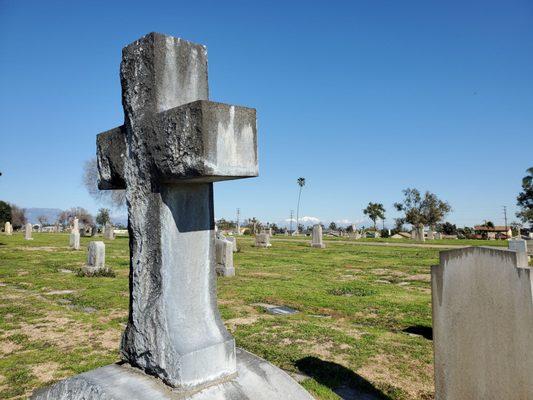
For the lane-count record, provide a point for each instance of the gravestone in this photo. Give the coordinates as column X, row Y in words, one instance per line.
column 173, row 145
column 233, row 241
column 74, row 239
column 224, row 257
column 95, row 258
column 520, row 247
column 482, row 325
column 27, row 231
column 270, row 232
column 438, row 236
column 262, row 240
column 109, row 231
column 8, row 229
column 414, row 234
column 317, row 237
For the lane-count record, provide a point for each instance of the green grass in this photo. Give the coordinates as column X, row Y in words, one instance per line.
column 354, row 303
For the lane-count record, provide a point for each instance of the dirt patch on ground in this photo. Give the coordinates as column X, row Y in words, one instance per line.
column 419, row 277
column 265, row 274
column 114, row 314
column 45, row 372
column 8, row 347
column 381, row 368
column 42, row 248
column 232, row 324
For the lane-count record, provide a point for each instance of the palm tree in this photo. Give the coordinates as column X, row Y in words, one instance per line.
column 301, row 183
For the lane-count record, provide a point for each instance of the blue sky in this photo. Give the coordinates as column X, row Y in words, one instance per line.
column 362, row 98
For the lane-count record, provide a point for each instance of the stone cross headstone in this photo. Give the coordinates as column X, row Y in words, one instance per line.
column 262, row 240
column 8, row 229
column 27, row 231
column 224, row 257
column 109, row 231
column 173, row 145
column 520, row 247
column 317, row 237
column 482, row 325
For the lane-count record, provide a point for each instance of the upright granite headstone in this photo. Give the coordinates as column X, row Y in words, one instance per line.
column 74, row 239
column 8, row 229
column 520, row 247
column 482, row 325
column 173, row 145
column 262, row 240
column 95, row 258
column 233, row 241
column 109, row 231
column 224, row 257
column 27, row 231
column 317, row 237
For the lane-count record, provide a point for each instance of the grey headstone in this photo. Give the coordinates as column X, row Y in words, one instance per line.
column 233, row 241
column 482, row 325
column 27, row 231
column 317, row 237
column 262, row 240
column 224, row 257
column 109, row 231
column 95, row 257
column 520, row 247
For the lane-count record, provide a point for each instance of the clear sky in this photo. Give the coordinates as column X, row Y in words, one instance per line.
column 362, row 98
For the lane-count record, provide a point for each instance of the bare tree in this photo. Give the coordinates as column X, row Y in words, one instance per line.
column 66, row 217
column 114, row 198
column 18, row 216
column 42, row 220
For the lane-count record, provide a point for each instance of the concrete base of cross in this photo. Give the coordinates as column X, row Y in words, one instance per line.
column 256, row 379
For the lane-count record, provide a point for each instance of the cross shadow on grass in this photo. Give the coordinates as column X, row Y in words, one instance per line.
column 343, row 381
column 424, row 331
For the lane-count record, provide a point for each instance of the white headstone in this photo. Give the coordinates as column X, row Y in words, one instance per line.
column 27, row 231
column 74, row 240
column 8, row 229
column 224, row 257
column 317, row 237
column 482, row 325
column 109, row 231
column 233, row 241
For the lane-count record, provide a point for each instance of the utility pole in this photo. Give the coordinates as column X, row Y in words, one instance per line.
column 238, row 221
column 290, row 222
column 505, row 215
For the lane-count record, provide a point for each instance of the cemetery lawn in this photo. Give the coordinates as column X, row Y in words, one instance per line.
column 364, row 320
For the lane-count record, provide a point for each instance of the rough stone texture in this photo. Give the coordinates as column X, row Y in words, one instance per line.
column 520, row 247
column 109, row 231
column 482, row 325
column 256, row 380
column 95, row 257
column 262, row 240
column 74, row 241
column 8, row 229
column 317, row 237
column 224, row 257
column 233, row 240
column 27, row 231
column 176, row 143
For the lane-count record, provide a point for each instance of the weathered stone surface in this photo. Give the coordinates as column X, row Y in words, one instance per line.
column 262, row 240
column 520, row 247
column 233, row 241
column 256, row 379
column 27, row 231
column 224, row 257
column 74, row 242
column 95, row 257
column 8, row 229
column 109, row 231
column 317, row 237
column 482, row 325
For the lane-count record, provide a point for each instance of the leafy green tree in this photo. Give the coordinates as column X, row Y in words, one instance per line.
column 525, row 199
column 103, row 216
column 375, row 211
column 5, row 213
column 434, row 210
column 333, row 226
